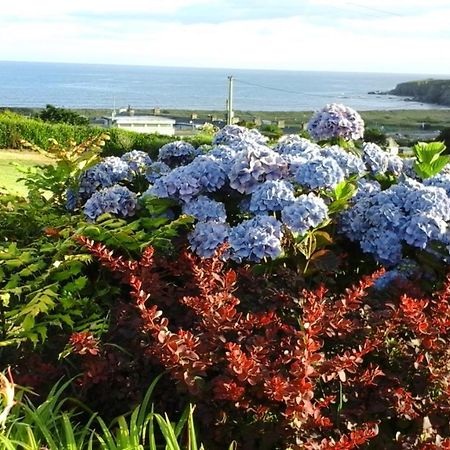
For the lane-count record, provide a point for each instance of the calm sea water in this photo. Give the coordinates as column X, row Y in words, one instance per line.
column 100, row 86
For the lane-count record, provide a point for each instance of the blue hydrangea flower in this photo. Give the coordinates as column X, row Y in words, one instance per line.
column 224, row 155
column 441, row 180
column 375, row 158
column 138, row 161
column 395, row 165
column 117, row 200
column 156, row 170
column 179, row 184
column 255, row 239
column 107, row 173
column 365, row 188
column 209, row 173
column 406, row 213
column 204, row 209
column 207, row 237
column 385, row 245
column 255, row 165
column 353, row 222
column 308, row 211
column 177, row 153
column 272, row 195
column 336, row 121
column 426, row 199
column 295, row 145
column 294, row 163
column 239, row 138
column 423, row 228
column 348, row 162
column 320, row 172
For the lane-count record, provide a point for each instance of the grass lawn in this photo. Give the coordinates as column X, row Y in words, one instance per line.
column 9, row 173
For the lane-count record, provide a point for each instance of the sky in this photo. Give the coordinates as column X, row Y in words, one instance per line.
column 401, row 36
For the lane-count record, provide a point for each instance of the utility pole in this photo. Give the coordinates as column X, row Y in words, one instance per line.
column 230, row 113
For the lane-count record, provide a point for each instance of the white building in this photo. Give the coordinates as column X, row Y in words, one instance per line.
column 143, row 124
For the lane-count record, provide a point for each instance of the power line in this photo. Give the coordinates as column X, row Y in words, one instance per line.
column 382, row 11
column 272, row 88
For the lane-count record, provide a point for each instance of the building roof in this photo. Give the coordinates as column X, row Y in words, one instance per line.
column 143, row 119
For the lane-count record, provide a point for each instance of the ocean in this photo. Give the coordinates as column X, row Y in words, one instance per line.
column 25, row 84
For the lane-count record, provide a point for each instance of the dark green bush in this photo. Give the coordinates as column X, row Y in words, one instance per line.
column 54, row 114
column 375, row 135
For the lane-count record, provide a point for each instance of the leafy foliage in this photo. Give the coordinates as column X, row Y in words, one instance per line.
column 71, row 161
column 58, row 423
column 305, row 367
column 429, row 159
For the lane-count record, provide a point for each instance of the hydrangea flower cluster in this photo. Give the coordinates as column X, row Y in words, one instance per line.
column 137, row 161
column 176, row 153
column 110, row 171
column 183, row 183
column 336, row 121
column 239, row 138
column 205, row 209
column 320, row 172
column 307, row 211
column 255, row 239
column 177, row 184
column 207, row 237
column 441, row 180
column 406, row 213
column 273, row 195
column 156, row 170
column 376, row 159
column 118, row 200
column 224, row 155
column 348, row 162
column 255, row 165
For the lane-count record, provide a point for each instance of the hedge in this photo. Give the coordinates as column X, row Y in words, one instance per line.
column 14, row 128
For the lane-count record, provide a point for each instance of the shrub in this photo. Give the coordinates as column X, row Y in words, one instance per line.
column 301, row 369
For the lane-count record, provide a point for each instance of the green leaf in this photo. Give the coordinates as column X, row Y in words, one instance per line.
column 344, row 191
column 28, row 322
column 428, row 160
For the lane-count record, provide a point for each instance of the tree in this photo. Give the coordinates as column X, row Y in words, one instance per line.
column 61, row 115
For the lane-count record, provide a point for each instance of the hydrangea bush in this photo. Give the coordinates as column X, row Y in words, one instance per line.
column 260, row 200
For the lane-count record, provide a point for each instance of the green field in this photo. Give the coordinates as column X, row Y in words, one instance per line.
column 9, row 172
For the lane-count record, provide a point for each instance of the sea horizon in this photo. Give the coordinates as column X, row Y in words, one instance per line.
column 104, row 86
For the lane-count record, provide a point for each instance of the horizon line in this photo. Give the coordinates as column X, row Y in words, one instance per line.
column 218, row 68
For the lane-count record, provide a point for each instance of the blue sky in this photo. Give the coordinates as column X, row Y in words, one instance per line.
column 362, row 35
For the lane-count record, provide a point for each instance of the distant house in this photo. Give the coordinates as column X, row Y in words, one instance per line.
column 145, row 124
column 127, row 120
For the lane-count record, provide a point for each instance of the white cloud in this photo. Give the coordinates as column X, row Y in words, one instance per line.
column 413, row 44
column 60, row 8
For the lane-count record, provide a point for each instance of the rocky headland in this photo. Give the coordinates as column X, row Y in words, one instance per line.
column 425, row 91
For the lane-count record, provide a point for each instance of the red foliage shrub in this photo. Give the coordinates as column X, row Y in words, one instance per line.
column 307, row 370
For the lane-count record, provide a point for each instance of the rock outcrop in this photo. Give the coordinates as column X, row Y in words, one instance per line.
column 426, row 91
